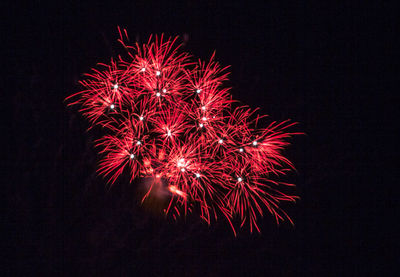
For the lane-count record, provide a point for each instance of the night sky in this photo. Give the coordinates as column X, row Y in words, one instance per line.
column 327, row 67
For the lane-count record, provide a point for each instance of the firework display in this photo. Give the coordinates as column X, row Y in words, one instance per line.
column 169, row 118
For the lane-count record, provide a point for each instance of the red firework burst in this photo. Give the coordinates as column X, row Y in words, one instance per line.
column 169, row 118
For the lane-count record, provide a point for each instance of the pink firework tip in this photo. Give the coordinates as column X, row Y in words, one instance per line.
column 168, row 117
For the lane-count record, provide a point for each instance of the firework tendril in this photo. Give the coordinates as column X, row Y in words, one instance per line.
column 168, row 118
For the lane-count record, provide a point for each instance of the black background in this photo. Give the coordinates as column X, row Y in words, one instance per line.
column 328, row 67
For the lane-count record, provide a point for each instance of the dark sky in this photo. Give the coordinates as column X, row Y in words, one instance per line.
column 327, row 67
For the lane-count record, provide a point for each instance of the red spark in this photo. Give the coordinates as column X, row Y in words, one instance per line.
column 170, row 119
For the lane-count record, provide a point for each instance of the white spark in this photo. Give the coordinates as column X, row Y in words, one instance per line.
column 203, row 108
column 116, row 86
column 112, row 106
column 138, row 142
column 204, row 118
column 198, row 175
column 255, row 143
column 181, row 162
column 220, row 141
column 164, row 90
column 143, row 69
column 182, row 169
column 132, row 156
column 201, row 125
column 198, row 90
column 241, row 150
column 141, row 118
column 158, row 94
column 158, row 73
column 169, row 133
column 239, row 179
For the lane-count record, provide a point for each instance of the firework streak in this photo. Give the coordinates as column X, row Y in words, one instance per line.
column 168, row 118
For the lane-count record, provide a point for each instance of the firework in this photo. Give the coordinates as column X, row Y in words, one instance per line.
column 170, row 119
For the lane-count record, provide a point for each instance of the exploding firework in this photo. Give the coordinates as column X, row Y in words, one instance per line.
column 169, row 119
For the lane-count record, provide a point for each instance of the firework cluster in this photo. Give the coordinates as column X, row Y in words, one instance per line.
column 169, row 118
